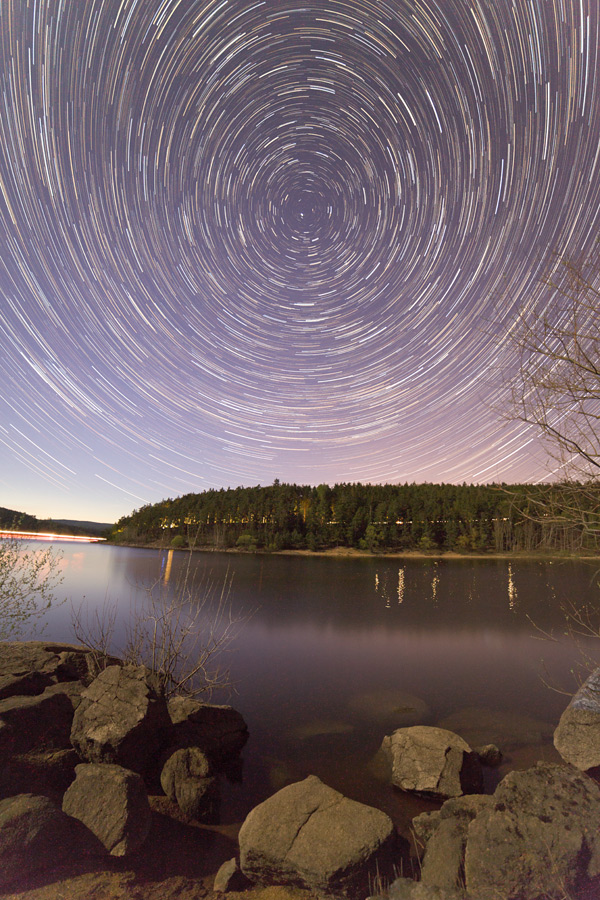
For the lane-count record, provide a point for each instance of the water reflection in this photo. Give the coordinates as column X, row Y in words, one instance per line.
column 325, row 631
column 400, row 585
column 512, row 591
column 168, row 564
column 435, row 583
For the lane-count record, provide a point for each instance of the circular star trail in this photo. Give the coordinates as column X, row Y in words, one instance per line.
column 246, row 240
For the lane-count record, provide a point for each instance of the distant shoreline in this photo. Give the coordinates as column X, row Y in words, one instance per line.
column 353, row 553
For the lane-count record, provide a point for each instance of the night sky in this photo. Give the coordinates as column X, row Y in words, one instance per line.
column 252, row 240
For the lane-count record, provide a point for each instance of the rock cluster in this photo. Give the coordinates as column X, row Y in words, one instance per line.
column 534, row 837
column 82, row 737
column 92, row 734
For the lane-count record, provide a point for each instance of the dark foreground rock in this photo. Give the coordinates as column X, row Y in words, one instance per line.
column 111, row 802
column 312, row 836
column 35, row 722
column 230, row 878
column 577, row 737
column 35, row 834
column 432, row 761
column 121, row 718
column 47, row 772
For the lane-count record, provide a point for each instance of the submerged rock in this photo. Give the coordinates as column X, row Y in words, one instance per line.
column 390, row 707
column 505, row 728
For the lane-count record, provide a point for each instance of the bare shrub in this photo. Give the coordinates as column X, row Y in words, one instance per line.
column 181, row 633
column 28, row 579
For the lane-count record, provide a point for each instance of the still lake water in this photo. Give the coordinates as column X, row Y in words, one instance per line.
column 336, row 653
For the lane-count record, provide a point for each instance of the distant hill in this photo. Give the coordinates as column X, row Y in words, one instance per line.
column 14, row 520
column 82, row 525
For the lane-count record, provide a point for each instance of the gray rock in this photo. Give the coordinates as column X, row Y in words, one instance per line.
column 577, row 737
column 121, row 718
column 48, row 661
column 182, row 765
column 112, row 802
column 220, row 731
column 538, row 837
column 444, row 834
column 36, row 835
column 489, row 755
column 200, row 799
column 465, row 808
column 308, row 834
column 433, row 761
column 186, row 778
column 442, row 864
column 41, row 721
column 424, row 825
column 407, row 889
column 230, row 878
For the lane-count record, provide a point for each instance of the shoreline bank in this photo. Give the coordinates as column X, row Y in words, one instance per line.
column 353, row 553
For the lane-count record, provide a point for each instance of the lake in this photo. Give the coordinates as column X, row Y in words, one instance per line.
column 334, row 653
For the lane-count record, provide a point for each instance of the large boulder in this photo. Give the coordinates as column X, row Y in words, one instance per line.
column 35, row 722
column 121, row 719
column 577, row 737
column 112, row 802
column 187, row 778
column 539, row 837
column 310, row 835
column 219, row 731
column 36, row 835
column 432, row 761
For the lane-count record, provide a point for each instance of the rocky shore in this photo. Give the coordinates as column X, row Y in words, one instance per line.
column 110, row 790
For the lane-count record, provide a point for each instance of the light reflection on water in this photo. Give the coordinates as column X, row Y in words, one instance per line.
column 324, row 632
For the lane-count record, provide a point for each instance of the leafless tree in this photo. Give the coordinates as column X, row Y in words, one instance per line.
column 557, row 389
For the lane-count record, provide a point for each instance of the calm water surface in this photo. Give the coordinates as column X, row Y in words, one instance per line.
column 338, row 652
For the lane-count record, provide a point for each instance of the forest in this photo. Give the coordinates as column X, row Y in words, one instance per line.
column 376, row 518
